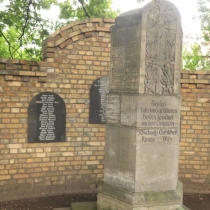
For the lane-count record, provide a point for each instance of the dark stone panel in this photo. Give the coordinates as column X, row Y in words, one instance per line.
column 46, row 118
column 98, row 92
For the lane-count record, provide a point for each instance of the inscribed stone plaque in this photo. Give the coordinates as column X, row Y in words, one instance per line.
column 158, row 112
column 46, row 118
column 125, row 58
column 98, row 92
column 152, row 110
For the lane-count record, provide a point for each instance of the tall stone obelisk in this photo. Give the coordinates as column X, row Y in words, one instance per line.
column 143, row 111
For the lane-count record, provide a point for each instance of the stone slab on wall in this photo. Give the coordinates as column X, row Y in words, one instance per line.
column 46, row 118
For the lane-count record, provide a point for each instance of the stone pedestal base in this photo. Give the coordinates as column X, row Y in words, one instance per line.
column 110, row 198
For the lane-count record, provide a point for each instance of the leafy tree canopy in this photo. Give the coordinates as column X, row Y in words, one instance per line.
column 204, row 15
column 22, row 27
column 194, row 60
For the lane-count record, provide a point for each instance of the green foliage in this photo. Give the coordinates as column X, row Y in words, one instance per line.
column 81, row 9
column 95, row 8
column 194, row 60
column 204, row 15
column 22, row 27
column 4, row 45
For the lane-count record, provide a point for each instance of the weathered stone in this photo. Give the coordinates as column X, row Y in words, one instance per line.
column 140, row 63
column 143, row 111
column 113, row 108
column 115, row 198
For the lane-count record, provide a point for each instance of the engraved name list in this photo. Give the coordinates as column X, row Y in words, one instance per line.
column 46, row 118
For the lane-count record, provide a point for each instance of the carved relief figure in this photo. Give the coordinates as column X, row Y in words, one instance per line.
column 153, row 80
column 160, row 50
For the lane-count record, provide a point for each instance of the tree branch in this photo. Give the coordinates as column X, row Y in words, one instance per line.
column 26, row 21
column 83, row 7
column 10, row 46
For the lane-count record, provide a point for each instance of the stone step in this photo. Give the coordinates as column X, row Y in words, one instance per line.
column 88, row 206
column 84, row 206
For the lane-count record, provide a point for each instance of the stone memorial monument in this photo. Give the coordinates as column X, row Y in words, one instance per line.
column 46, row 118
column 143, row 111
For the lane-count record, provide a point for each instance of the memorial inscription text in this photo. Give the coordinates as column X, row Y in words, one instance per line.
column 103, row 90
column 46, row 118
column 159, row 122
column 125, row 58
column 98, row 93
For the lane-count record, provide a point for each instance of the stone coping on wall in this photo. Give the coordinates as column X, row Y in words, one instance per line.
column 199, row 78
column 13, row 67
column 25, row 69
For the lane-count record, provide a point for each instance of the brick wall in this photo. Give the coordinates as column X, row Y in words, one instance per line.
column 74, row 56
column 194, row 162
